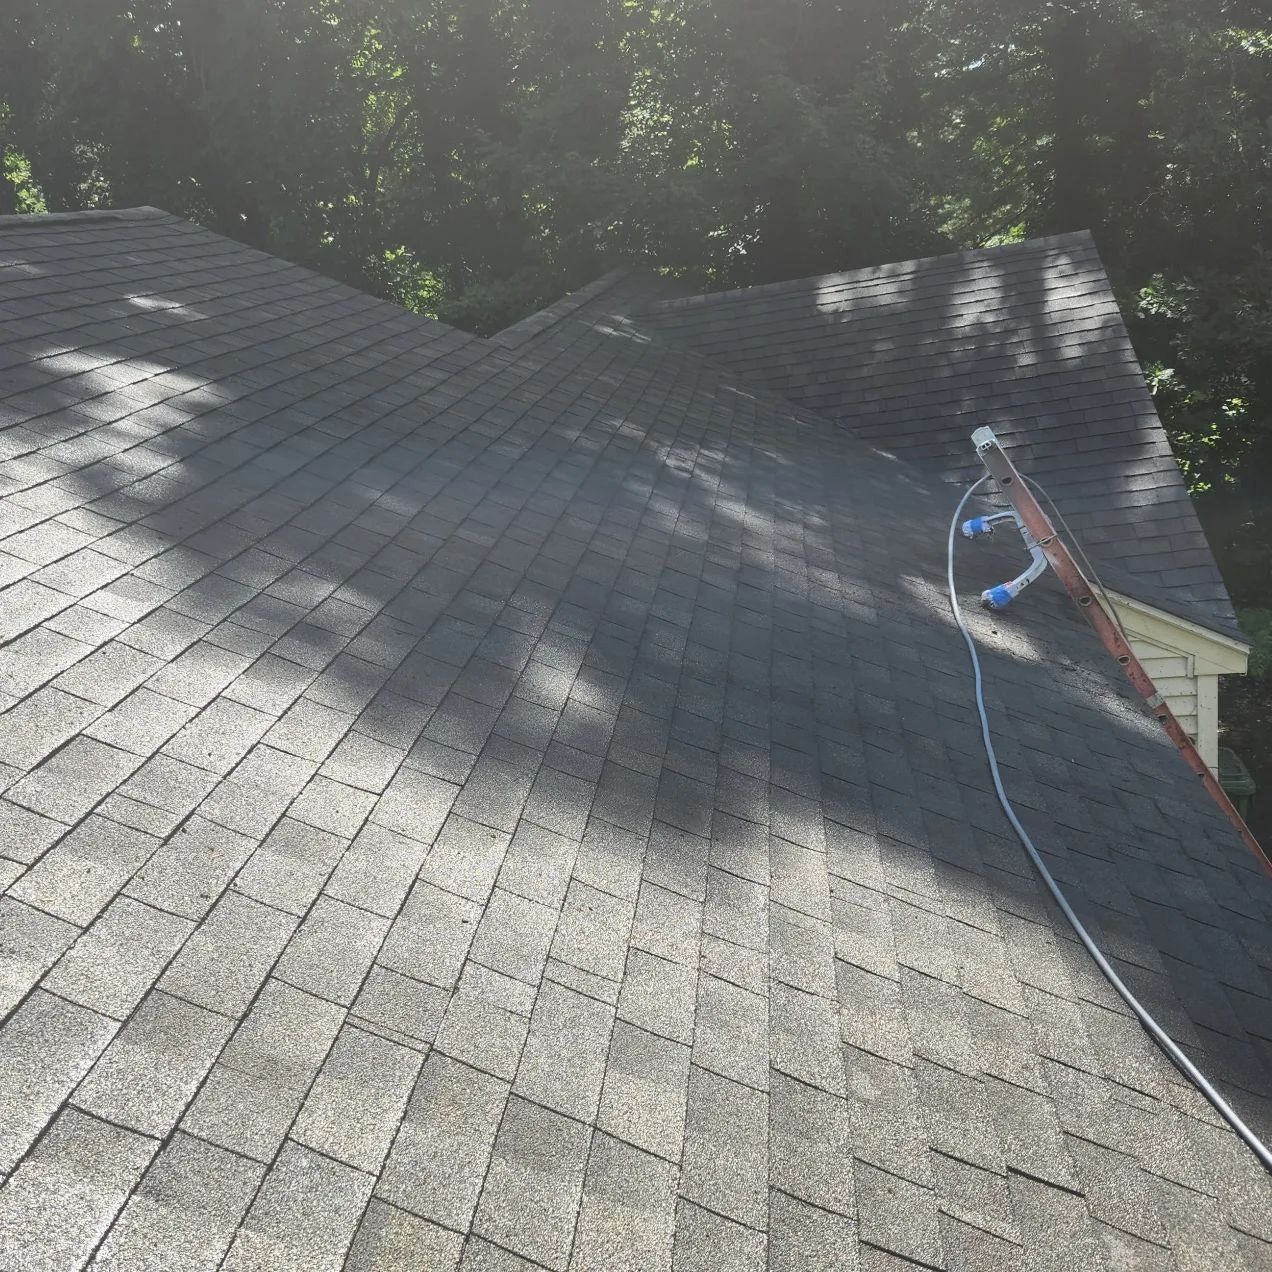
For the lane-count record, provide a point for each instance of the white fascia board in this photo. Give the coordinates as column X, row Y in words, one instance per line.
column 1215, row 654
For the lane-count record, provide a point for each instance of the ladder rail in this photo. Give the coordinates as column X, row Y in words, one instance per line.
column 1069, row 572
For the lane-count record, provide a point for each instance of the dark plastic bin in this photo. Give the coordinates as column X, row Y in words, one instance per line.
column 1235, row 779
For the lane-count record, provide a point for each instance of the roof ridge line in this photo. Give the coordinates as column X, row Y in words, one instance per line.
column 82, row 216
column 560, row 309
column 909, row 265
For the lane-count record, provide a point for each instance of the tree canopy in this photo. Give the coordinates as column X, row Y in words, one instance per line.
column 474, row 159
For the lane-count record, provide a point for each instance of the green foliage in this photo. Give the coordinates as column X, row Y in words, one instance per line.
column 475, row 158
column 1257, row 625
column 18, row 193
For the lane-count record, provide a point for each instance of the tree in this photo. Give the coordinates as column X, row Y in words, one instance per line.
column 475, row 158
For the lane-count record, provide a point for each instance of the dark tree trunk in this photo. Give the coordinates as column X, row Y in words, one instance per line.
column 1133, row 172
column 8, row 195
column 1067, row 54
column 54, row 168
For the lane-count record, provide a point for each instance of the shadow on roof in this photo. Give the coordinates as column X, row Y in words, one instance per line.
column 1026, row 338
column 698, row 637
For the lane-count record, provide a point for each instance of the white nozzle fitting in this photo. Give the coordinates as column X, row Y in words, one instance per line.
column 984, row 438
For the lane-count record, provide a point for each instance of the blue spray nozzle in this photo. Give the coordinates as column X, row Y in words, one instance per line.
column 997, row 597
column 977, row 526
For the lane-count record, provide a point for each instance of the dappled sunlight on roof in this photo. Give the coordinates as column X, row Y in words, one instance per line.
column 448, row 784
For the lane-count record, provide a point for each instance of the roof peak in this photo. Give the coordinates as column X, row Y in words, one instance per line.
column 541, row 319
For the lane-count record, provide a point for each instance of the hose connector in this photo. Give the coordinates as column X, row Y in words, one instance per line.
column 996, row 598
column 978, row 526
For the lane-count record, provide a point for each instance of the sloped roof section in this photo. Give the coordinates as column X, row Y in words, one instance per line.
column 476, row 808
column 1026, row 338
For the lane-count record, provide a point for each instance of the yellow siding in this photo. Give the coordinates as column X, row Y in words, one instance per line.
column 1160, row 665
column 1174, row 677
column 1185, row 663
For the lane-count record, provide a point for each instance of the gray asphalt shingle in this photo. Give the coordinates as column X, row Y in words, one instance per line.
column 1027, row 338
column 516, row 804
column 185, row 1211
column 65, row 1195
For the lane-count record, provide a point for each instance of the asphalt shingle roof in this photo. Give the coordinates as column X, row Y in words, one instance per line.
column 488, row 807
column 1026, row 338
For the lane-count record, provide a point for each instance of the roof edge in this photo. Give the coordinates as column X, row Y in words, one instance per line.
column 890, row 269
column 85, row 216
column 1189, row 613
column 1189, row 626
